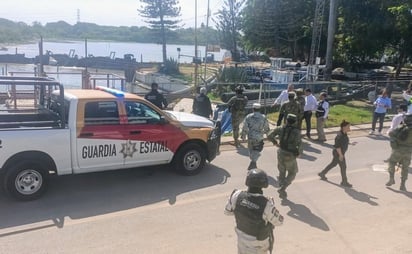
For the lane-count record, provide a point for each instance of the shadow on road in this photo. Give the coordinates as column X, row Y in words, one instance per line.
column 85, row 195
column 357, row 195
column 304, row 214
column 406, row 193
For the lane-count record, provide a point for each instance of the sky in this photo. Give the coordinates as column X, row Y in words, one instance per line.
column 101, row 12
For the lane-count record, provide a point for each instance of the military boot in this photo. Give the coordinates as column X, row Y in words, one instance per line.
column 237, row 143
column 282, row 192
column 391, row 179
column 252, row 165
column 402, row 187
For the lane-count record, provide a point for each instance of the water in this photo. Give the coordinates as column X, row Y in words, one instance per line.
column 70, row 77
column 143, row 52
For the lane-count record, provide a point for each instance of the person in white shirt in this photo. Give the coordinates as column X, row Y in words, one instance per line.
column 310, row 105
column 322, row 112
column 398, row 119
column 282, row 99
column 408, row 97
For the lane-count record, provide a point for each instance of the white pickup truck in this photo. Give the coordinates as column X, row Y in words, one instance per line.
column 46, row 130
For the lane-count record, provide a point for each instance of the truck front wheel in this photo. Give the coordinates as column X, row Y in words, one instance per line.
column 190, row 159
column 26, row 181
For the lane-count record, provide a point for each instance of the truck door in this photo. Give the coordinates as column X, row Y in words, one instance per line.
column 149, row 139
column 99, row 142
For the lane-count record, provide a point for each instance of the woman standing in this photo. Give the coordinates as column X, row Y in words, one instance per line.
column 339, row 150
column 382, row 104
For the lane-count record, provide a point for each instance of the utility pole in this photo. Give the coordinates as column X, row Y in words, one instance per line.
column 331, row 37
column 41, row 63
column 196, row 67
column 207, row 30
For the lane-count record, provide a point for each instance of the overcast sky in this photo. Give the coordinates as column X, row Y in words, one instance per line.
column 101, row 12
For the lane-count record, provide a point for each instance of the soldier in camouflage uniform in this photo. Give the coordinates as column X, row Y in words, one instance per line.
column 401, row 143
column 292, row 107
column 289, row 149
column 237, row 105
column 254, row 126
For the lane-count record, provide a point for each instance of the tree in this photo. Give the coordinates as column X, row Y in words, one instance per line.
column 161, row 16
column 228, row 23
column 280, row 27
column 401, row 20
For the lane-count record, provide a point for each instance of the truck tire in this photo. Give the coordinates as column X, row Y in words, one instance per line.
column 26, row 180
column 190, row 159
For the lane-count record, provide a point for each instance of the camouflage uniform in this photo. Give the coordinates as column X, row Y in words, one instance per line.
column 292, row 107
column 401, row 143
column 289, row 149
column 237, row 106
column 254, row 126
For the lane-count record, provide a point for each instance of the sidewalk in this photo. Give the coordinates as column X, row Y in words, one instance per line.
column 185, row 105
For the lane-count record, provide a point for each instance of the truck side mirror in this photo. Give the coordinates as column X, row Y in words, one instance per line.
column 163, row 120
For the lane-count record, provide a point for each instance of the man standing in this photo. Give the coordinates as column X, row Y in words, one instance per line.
column 401, row 144
column 201, row 104
column 408, row 98
column 256, row 215
column 282, row 99
column 254, row 126
column 237, row 105
column 322, row 112
column 155, row 97
column 310, row 105
column 289, row 149
column 382, row 104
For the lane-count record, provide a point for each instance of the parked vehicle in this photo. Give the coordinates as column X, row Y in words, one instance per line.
column 45, row 129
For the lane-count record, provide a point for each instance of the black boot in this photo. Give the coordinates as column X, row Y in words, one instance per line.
column 282, row 191
column 322, row 176
column 391, row 179
column 252, row 165
column 402, row 187
column 346, row 184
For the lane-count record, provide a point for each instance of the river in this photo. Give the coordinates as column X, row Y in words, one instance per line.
column 143, row 52
column 70, row 76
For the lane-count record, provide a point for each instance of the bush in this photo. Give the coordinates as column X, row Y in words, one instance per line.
column 170, row 67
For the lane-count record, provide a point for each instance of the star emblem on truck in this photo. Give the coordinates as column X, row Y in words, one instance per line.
column 128, row 149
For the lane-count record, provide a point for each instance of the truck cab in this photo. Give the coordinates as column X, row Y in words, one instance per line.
column 99, row 129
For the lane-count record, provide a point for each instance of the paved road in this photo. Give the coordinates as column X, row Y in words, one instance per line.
column 157, row 211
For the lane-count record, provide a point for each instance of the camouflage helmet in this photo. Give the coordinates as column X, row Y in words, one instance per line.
column 408, row 119
column 291, row 118
column 239, row 89
column 291, row 95
column 257, row 178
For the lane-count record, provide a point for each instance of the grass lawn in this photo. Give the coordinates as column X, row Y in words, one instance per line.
column 355, row 112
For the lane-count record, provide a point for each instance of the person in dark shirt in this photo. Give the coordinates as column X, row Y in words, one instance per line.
column 339, row 150
column 156, row 98
column 201, row 104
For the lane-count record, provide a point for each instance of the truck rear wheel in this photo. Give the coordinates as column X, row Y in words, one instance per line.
column 26, row 181
column 190, row 159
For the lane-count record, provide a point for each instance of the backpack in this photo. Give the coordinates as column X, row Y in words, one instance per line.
column 401, row 136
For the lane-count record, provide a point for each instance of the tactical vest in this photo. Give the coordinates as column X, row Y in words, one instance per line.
column 248, row 213
column 238, row 105
column 284, row 141
column 320, row 111
column 202, row 106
